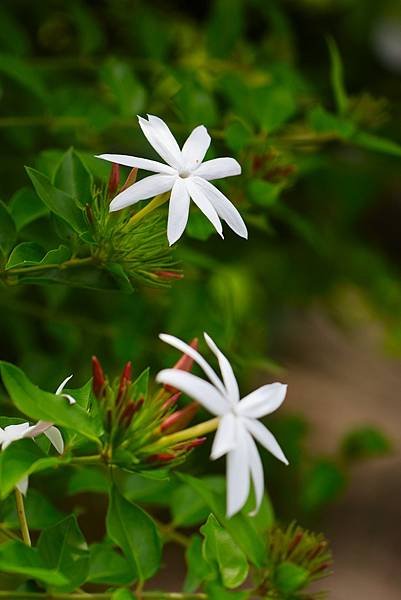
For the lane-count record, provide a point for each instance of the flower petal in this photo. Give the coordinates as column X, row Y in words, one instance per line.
column 139, row 163
column 11, row 433
column 63, row 384
column 262, row 401
column 198, row 358
column 218, row 168
column 71, row 399
column 55, row 437
column 257, row 474
column 178, row 211
column 229, row 379
column 224, row 208
column 264, row 437
column 162, row 140
column 22, row 485
column 225, row 438
column 238, row 481
column 141, row 190
column 37, row 429
column 195, row 387
column 195, row 148
column 202, row 202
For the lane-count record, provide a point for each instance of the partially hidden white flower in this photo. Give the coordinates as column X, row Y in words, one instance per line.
column 12, row 433
column 185, row 175
column 238, row 420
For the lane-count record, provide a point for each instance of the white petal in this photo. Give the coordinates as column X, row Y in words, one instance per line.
column 195, row 148
column 202, row 202
column 141, row 190
column 225, row 438
column 178, row 211
column 37, row 429
column 71, row 399
column 265, row 437
column 55, row 437
column 139, row 163
column 22, row 485
column 63, row 384
column 229, row 379
column 238, row 482
column 11, row 433
column 224, row 208
column 262, row 401
column 162, row 140
column 195, row 387
column 218, row 168
column 198, row 358
column 256, row 469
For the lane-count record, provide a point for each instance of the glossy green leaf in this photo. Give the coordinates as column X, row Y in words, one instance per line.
column 38, row 404
column 73, row 178
column 221, row 550
column 29, row 253
column 88, row 479
column 108, row 567
column 17, row 558
column 63, row 547
column 8, row 231
column 25, row 207
column 188, row 508
column 290, row 577
column 198, row 570
column 135, row 533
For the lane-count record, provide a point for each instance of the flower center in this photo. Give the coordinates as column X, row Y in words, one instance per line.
column 184, row 174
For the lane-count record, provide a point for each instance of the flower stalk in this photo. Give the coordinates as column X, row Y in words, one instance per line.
column 19, row 500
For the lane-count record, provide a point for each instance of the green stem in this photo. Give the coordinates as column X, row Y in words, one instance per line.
column 153, row 595
column 155, row 203
column 186, row 434
column 85, row 460
column 19, row 499
column 73, row 262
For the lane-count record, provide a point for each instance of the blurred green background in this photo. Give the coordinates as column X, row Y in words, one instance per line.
column 306, row 94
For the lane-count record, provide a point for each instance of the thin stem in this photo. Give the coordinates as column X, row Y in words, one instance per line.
column 155, row 203
column 172, row 534
column 85, row 460
column 151, row 594
column 73, row 262
column 186, row 434
column 19, row 499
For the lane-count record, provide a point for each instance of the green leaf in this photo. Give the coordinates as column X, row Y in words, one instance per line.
column 240, row 526
column 63, row 547
column 20, row 459
column 40, row 513
column 8, row 231
column 322, row 484
column 217, row 592
column 220, row 549
column 197, row 568
column 337, row 77
column 196, row 105
column 73, row 178
column 25, row 207
column 365, row 442
column 23, row 73
column 188, row 507
column 88, row 479
column 222, row 40
column 17, row 558
column 57, row 201
column 199, row 227
column 126, row 91
column 263, row 192
column 237, row 136
column 139, row 488
column 108, row 567
column 38, row 404
column 135, row 533
column 376, row 143
column 290, row 577
column 323, row 121
column 140, row 386
column 29, row 253
column 273, row 106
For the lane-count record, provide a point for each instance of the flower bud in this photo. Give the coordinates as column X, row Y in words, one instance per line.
column 99, row 380
column 130, row 411
column 169, row 403
column 169, row 274
column 162, row 457
column 179, row 419
column 184, row 364
column 130, row 179
column 114, row 180
column 192, row 444
column 124, row 382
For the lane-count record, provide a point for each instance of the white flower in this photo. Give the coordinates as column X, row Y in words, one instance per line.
column 185, row 175
column 12, row 433
column 238, row 420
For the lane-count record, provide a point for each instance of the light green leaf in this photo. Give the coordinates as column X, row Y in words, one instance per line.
column 123, row 594
column 290, row 577
column 108, row 567
column 16, row 557
column 30, row 253
column 337, row 77
column 135, row 533
column 73, row 178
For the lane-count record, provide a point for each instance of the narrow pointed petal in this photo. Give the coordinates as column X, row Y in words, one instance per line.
column 227, row 372
column 225, row 438
column 262, row 401
column 142, row 190
column 37, row 429
column 71, row 399
column 22, row 485
column 204, row 204
column 256, row 469
column 195, row 148
column 138, row 163
column 63, row 384
column 198, row 358
column 238, row 481
column 224, row 208
column 178, row 211
column 195, row 387
column 11, row 433
column 160, row 137
column 55, row 437
column 265, row 437
column 218, row 168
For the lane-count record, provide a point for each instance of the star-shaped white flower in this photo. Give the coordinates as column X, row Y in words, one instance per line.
column 12, row 433
column 238, row 420
column 185, row 175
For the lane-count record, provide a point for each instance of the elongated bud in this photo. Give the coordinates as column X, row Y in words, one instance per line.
column 184, row 364
column 130, row 411
column 179, row 419
column 321, row 567
column 162, row 457
column 294, row 543
column 192, row 444
column 114, row 180
column 89, row 214
column 169, row 403
column 124, row 381
column 169, row 274
column 99, row 380
column 316, row 551
column 130, row 179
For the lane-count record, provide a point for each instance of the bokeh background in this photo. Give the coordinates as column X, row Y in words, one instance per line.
column 306, row 94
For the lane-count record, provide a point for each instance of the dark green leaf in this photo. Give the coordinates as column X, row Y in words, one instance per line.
column 365, row 442
column 263, row 192
column 8, row 231
column 322, row 484
column 40, row 513
column 108, row 567
column 198, row 569
column 73, row 178
column 23, row 73
column 290, row 577
column 26, row 207
column 88, row 479
column 127, row 92
column 188, row 507
column 16, row 557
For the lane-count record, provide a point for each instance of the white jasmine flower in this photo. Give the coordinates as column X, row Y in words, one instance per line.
column 185, row 175
column 238, row 420
column 12, row 433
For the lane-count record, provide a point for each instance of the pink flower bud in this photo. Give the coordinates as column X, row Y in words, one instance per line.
column 184, row 364
column 124, row 381
column 99, row 379
column 179, row 419
column 114, row 180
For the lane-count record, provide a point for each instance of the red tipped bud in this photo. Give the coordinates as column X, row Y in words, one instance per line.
column 169, row 403
column 130, row 411
column 179, row 419
column 294, row 542
column 124, row 381
column 192, row 444
column 99, row 380
column 89, row 214
column 321, row 567
column 316, row 551
column 114, row 180
column 169, row 274
column 162, row 457
column 130, row 179
column 184, row 364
